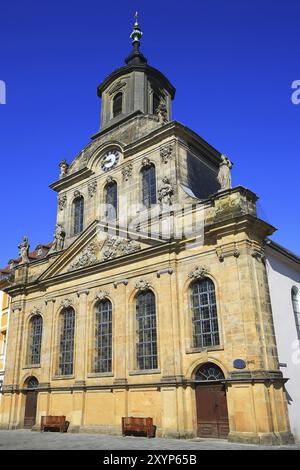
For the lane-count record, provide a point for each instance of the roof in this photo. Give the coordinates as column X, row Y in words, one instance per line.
column 283, row 251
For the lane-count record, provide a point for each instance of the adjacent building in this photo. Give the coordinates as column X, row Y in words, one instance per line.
column 153, row 298
column 283, row 268
column 4, row 321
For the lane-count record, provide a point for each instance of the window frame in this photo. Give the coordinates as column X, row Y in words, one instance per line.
column 97, row 356
column 37, row 338
column 62, row 332
column 78, row 225
column 118, row 95
column 151, row 200
column 154, row 356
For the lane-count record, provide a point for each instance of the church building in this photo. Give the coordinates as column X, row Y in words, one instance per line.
column 153, row 298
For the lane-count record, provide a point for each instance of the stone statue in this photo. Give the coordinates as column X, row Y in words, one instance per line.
column 224, row 175
column 165, row 192
column 162, row 112
column 59, row 239
column 63, row 168
column 24, row 250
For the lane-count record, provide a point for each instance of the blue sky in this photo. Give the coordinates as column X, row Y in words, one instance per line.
column 231, row 61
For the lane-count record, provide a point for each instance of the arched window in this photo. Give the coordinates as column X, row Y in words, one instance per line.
column 117, row 104
column 146, row 331
column 66, row 346
column 35, row 340
column 149, row 186
column 205, row 320
column 32, row 382
column 156, row 103
column 209, row 372
column 103, row 337
column 296, row 308
column 78, row 215
column 111, row 201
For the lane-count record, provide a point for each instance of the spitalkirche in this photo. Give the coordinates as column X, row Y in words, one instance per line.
column 152, row 300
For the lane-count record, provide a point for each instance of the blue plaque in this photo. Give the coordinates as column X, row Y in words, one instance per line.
column 239, row 364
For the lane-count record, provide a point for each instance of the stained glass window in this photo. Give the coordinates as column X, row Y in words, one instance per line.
column 205, row 320
column 78, row 215
column 103, row 339
column 146, row 331
column 149, row 186
column 67, row 342
column 35, row 340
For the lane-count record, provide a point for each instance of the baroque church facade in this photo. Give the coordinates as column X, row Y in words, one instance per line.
column 153, row 298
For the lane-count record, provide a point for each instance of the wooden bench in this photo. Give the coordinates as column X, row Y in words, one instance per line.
column 133, row 425
column 54, row 422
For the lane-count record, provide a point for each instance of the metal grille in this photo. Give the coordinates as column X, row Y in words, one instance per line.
column 112, row 201
column 209, row 372
column 296, row 308
column 149, row 186
column 103, row 332
column 32, row 382
column 117, row 104
column 146, row 331
column 67, row 342
column 205, row 320
column 78, row 215
column 36, row 329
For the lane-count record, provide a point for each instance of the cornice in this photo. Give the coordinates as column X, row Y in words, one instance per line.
column 71, row 179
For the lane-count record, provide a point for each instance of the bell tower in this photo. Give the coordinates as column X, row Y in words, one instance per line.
column 136, row 88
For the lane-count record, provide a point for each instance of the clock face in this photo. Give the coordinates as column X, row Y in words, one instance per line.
column 109, row 160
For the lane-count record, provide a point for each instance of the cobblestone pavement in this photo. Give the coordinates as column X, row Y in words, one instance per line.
column 27, row 440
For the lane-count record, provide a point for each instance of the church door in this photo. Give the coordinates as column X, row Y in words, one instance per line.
column 212, row 413
column 30, row 409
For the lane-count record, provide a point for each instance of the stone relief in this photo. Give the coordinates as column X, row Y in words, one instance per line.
column 86, row 258
column 24, row 250
column 62, row 200
column 116, row 246
column 102, row 295
column 146, row 162
column 142, row 285
column 36, row 311
column 59, row 239
column 64, row 166
column 77, row 193
column 200, row 272
column 166, row 192
column 166, row 153
column 109, row 180
column 66, row 303
column 162, row 112
column 224, row 175
column 92, row 188
column 127, row 172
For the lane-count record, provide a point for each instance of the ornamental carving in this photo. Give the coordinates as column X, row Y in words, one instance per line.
column 92, row 188
column 24, row 250
column 109, row 180
column 224, row 175
column 58, row 239
column 102, row 295
column 64, row 166
column 66, row 303
column 86, row 258
column 166, row 153
column 36, row 311
column 62, row 200
column 127, row 172
column 146, row 162
column 77, row 193
column 142, row 285
column 116, row 246
column 200, row 272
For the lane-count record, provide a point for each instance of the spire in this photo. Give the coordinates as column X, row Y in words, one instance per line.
column 136, row 57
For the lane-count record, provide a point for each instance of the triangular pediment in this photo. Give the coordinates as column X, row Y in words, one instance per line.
column 97, row 244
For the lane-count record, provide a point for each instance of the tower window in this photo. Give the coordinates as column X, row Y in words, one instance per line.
column 78, row 215
column 112, row 201
column 204, row 309
column 149, row 186
column 296, row 308
column 146, row 331
column 117, row 104
column 156, row 102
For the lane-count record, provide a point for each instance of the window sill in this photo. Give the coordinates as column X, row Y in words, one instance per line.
column 100, row 374
column 200, row 350
column 63, row 377
column 36, row 366
column 145, row 372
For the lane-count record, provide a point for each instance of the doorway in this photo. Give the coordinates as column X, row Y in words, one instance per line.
column 31, row 402
column 211, row 402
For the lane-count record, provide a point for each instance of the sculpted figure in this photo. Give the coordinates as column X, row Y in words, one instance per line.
column 63, row 168
column 162, row 112
column 224, row 175
column 166, row 192
column 59, row 239
column 24, row 250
